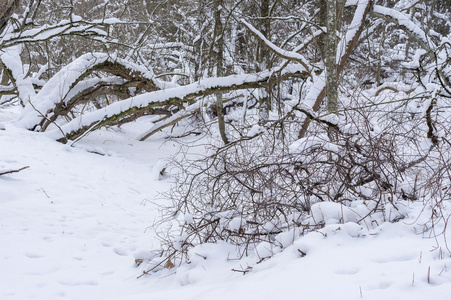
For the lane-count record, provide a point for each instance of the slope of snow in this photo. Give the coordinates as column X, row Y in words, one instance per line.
column 72, row 224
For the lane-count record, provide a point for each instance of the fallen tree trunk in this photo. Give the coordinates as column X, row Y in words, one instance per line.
column 149, row 103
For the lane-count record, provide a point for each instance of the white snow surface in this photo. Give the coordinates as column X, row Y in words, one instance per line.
column 73, row 223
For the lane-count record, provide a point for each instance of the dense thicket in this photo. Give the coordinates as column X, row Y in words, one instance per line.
column 302, row 102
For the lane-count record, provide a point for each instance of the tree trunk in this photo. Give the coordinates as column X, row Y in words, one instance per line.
column 328, row 50
column 263, row 59
column 331, row 58
column 5, row 76
column 219, row 41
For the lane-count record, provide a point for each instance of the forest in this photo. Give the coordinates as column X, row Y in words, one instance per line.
column 307, row 112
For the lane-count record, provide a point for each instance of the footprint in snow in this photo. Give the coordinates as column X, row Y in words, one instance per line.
column 33, row 255
column 400, row 257
column 119, row 251
column 77, row 283
column 382, row 285
column 347, row 270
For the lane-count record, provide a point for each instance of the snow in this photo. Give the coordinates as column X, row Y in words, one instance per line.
column 56, row 89
column 291, row 55
column 357, row 20
column 332, row 213
column 64, row 27
column 319, row 83
column 256, row 129
column 311, row 142
column 29, row 117
column 415, row 62
column 11, row 58
column 72, row 225
column 64, row 85
column 404, row 20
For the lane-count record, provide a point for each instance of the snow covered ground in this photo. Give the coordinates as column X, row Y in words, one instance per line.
column 72, row 223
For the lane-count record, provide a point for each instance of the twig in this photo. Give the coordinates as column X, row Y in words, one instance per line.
column 243, row 271
column 302, row 253
column 159, row 264
column 318, row 119
column 45, row 192
column 85, row 133
column 13, row 171
column 42, row 115
column 444, row 269
column 204, row 257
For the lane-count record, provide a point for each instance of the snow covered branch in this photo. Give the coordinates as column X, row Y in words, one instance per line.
column 47, row 32
column 69, row 88
column 292, row 56
column 403, row 20
column 150, row 103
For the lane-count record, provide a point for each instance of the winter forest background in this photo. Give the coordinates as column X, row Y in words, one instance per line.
column 289, row 116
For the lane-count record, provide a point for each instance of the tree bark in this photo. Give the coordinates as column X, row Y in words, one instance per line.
column 7, row 8
column 348, row 50
column 219, row 40
column 331, row 58
column 263, row 59
column 5, row 74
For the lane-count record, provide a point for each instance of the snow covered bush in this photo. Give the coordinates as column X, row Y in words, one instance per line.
column 381, row 144
column 256, row 188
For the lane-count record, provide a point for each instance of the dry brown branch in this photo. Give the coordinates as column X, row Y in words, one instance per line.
column 4, row 172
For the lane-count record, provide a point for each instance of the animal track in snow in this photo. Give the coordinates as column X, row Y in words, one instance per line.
column 33, row 255
column 77, row 283
column 347, row 270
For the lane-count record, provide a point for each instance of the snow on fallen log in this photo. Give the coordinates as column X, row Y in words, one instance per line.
column 62, row 87
column 11, row 59
column 148, row 101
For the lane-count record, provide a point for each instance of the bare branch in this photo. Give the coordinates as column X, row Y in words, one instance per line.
column 4, row 172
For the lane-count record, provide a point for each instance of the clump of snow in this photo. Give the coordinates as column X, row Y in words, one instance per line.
column 313, row 142
column 415, row 62
column 236, row 223
column 188, row 219
column 256, row 129
column 332, row 213
column 267, row 250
